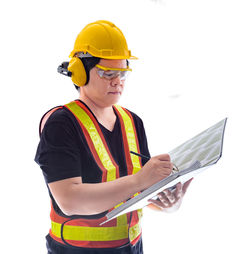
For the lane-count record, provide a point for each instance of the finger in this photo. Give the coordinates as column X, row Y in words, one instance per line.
column 163, row 157
column 166, row 164
column 164, row 200
column 170, row 196
column 158, row 203
column 178, row 190
column 163, row 169
column 185, row 185
column 154, row 206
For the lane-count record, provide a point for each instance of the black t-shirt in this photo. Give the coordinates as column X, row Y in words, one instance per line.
column 63, row 152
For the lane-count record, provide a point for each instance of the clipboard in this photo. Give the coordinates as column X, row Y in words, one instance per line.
column 191, row 158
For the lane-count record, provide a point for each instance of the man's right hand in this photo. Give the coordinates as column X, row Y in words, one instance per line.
column 157, row 168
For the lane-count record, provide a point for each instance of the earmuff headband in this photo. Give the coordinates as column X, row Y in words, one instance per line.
column 63, row 69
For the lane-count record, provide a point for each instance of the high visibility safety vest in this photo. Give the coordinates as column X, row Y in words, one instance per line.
column 88, row 233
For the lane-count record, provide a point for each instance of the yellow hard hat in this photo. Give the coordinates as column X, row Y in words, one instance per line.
column 102, row 39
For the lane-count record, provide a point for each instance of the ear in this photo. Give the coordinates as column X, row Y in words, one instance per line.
column 78, row 76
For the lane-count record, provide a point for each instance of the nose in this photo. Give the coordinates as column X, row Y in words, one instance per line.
column 117, row 81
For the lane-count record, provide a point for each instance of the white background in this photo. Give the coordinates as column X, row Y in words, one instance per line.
column 193, row 70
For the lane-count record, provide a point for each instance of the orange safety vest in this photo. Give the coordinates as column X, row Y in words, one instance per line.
column 82, row 232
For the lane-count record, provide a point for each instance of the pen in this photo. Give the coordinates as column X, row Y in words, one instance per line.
column 175, row 168
column 141, row 155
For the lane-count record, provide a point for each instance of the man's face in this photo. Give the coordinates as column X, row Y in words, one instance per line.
column 102, row 91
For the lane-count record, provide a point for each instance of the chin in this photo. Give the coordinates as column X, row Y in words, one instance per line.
column 114, row 100
column 109, row 103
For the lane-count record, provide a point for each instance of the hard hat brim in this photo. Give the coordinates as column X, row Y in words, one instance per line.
column 73, row 53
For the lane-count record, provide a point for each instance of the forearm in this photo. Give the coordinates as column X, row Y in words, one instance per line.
column 74, row 197
column 87, row 199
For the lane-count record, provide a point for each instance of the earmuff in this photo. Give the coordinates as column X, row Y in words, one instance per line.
column 75, row 70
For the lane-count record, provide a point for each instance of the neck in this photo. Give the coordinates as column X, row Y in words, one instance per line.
column 98, row 110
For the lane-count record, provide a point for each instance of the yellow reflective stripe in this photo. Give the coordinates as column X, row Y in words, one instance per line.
column 78, row 233
column 134, row 231
column 131, row 138
column 122, row 220
column 96, row 139
column 140, row 213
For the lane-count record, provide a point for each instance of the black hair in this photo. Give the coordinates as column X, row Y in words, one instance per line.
column 89, row 63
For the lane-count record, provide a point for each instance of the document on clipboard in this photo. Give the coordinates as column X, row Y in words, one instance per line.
column 191, row 158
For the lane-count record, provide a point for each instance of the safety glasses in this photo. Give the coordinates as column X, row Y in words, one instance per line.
column 111, row 73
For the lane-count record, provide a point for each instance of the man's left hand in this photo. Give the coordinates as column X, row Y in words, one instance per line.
column 170, row 201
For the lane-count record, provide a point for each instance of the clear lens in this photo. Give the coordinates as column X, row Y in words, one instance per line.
column 111, row 74
column 124, row 75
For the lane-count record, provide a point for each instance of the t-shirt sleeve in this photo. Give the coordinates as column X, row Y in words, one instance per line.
column 58, row 152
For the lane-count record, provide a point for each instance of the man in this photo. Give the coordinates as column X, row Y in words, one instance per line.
column 84, row 152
